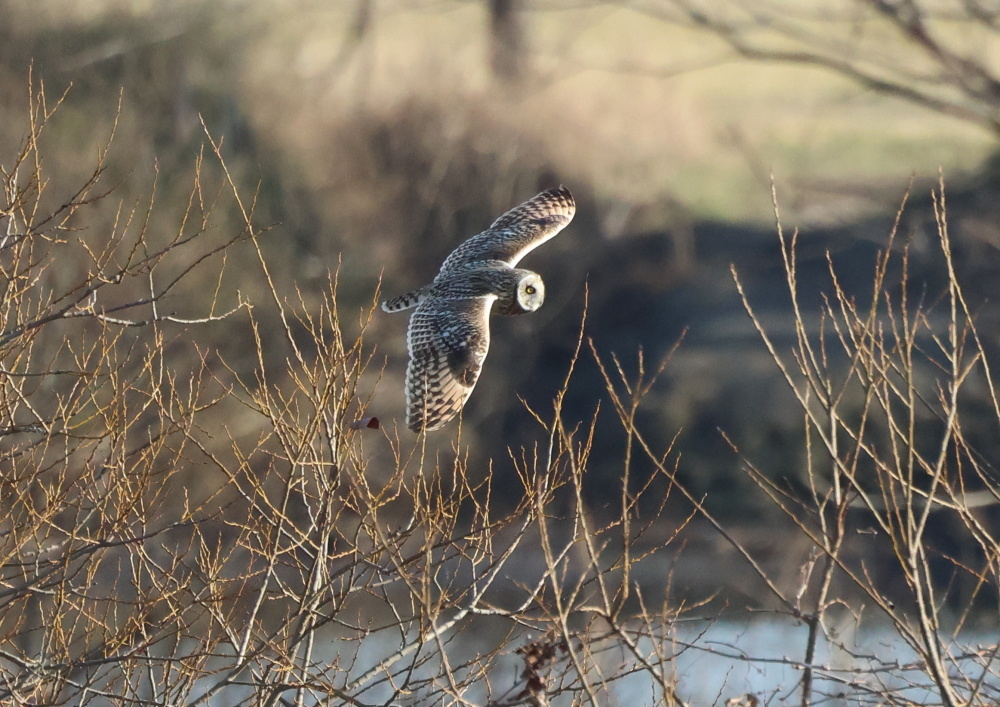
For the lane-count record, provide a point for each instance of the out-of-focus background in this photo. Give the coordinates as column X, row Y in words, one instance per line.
column 376, row 135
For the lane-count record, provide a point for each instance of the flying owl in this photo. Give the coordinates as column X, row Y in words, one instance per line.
column 449, row 332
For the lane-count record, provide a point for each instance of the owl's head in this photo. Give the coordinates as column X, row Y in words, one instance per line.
column 528, row 296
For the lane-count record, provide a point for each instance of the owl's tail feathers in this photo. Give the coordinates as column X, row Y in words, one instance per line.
column 410, row 299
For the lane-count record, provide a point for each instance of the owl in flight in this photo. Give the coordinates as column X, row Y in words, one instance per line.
column 449, row 332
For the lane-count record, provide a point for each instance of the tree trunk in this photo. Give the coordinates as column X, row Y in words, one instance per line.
column 506, row 40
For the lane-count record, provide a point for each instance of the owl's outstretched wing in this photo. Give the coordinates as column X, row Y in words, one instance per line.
column 517, row 232
column 448, row 341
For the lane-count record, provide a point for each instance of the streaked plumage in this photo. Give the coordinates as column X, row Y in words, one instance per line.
column 449, row 335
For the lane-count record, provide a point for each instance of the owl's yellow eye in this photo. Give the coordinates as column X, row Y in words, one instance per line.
column 530, row 289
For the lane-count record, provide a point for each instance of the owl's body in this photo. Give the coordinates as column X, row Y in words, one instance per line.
column 449, row 334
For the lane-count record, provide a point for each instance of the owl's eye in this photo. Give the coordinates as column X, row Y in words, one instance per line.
column 530, row 289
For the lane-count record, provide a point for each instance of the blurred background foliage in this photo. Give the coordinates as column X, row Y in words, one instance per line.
column 377, row 135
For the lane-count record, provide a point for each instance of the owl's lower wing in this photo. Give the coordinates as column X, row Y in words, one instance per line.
column 448, row 340
column 517, row 232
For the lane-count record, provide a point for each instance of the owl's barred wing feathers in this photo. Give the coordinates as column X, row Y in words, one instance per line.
column 448, row 341
column 555, row 204
column 401, row 302
column 517, row 232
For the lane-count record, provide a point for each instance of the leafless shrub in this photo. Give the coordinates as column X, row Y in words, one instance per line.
column 208, row 534
column 884, row 386
column 93, row 419
column 217, row 532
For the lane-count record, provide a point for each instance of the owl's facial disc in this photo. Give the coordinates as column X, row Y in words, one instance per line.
column 530, row 292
